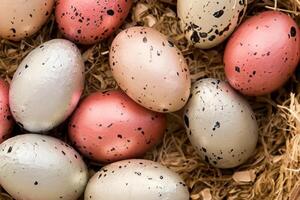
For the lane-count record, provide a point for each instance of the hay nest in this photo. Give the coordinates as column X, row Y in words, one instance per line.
column 272, row 173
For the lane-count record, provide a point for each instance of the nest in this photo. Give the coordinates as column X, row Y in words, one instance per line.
column 272, row 173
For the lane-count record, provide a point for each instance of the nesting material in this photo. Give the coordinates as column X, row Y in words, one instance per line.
column 276, row 159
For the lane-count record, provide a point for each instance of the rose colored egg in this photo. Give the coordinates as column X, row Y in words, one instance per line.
column 22, row 18
column 109, row 126
column 6, row 120
column 263, row 53
column 90, row 21
column 150, row 69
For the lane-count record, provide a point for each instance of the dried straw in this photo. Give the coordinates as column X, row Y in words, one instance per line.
column 271, row 174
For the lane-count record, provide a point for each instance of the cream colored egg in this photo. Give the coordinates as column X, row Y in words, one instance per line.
column 22, row 18
column 47, row 85
column 135, row 180
column 38, row 167
column 207, row 23
column 150, row 69
column 220, row 124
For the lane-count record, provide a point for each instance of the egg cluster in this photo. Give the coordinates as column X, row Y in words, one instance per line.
column 116, row 127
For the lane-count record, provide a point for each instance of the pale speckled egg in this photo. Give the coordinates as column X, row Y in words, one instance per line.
column 150, row 69
column 135, row 180
column 47, row 85
column 207, row 23
column 109, row 126
column 41, row 167
column 220, row 124
column 90, row 21
column 263, row 53
column 6, row 120
column 23, row 18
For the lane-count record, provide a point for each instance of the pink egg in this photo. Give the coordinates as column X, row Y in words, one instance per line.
column 90, row 21
column 263, row 53
column 6, row 120
column 109, row 126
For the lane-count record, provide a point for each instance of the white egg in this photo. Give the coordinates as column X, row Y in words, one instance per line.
column 47, row 85
column 135, row 180
column 220, row 124
column 41, row 167
column 207, row 23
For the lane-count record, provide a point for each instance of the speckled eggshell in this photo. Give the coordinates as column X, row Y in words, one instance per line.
column 135, row 180
column 90, row 21
column 109, row 126
column 6, row 120
column 263, row 53
column 41, row 167
column 150, row 69
column 23, row 18
column 220, row 124
column 207, row 23
column 47, row 85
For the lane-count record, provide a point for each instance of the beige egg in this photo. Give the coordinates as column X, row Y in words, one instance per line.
column 22, row 18
column 207, row 23
column 150, row 69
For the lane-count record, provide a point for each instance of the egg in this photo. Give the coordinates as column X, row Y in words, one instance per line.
column 150, row 69
column 135, row 180
column 220, row 124
column 90, row 21
column 6, row 120
column 207, row 23
column 263, row 53
column 47, row 85
column 122, row 128
column 23, row 18
column 41, row 167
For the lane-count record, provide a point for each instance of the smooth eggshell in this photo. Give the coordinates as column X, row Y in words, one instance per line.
column 6, row 120
column 207, row 23
column 109, row 126
column 90, row 21
column 150, row 69
column 263, row 53
column 136, row 180
column 22, row 18
column 41, row 167
column 220, row 124
column 47, row 85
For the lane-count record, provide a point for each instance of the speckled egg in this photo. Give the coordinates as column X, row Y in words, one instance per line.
column 150, row 69
column 47, row 85
column 207, row 23
column 6, row 120
column 23, row 18
column 119, row 126
column 220, row 124
column 263, row 53
column 41, row 167
column 136, row 180
column 90, row 21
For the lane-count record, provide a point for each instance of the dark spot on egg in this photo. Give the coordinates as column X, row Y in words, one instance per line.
column 293, row 31
column 110, row 12
column 218, row 14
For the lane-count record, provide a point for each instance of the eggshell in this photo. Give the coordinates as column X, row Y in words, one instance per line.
column 207, row 23
column 109, row 126
column 263, row 53
column 41, row 167
column 23, row 18
column 6, row 120
column 90, row 21
column 136, row 180
column 220, row 124
column 47, row 85
column 150, row 69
